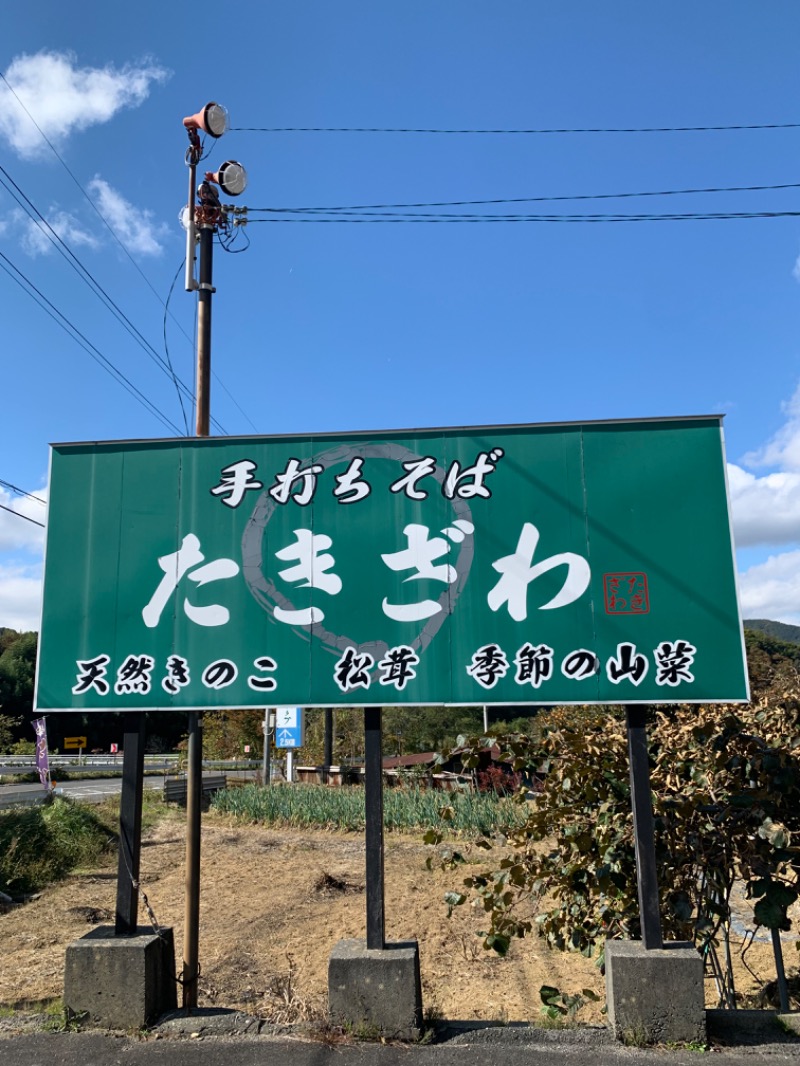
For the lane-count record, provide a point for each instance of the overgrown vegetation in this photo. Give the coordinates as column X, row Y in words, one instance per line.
column 39, row 845
column 726, row 794
column 343, row 808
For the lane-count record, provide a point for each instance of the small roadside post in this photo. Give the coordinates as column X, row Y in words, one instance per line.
column 268, row 728
column 327, row 757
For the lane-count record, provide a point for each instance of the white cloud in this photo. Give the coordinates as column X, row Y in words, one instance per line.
column 772, row 589
column 38, row 240
column 17, row 531
column 784, row 449
column 766, row 510
column 63, row 98
column 134, row 226
column 22, row 542
column 20, row 597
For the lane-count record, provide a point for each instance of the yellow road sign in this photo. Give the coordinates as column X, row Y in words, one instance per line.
column 74, row 742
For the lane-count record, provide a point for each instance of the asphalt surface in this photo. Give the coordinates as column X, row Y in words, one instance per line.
column 92, row 790
column 219, row 1038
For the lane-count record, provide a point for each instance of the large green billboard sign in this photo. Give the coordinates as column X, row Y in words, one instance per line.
column 571, row 563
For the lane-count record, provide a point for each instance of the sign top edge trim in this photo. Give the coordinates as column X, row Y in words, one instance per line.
column 349, row 434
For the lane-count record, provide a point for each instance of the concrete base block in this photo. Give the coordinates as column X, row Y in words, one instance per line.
column 120, row 982
column 656, row 996
column 376, row 990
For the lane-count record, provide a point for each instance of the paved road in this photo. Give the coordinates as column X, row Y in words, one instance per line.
column 92, row 790
column 502, row 1046
column 89, row 791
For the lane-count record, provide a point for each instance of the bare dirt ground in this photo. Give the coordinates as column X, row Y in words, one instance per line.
column 273, row 904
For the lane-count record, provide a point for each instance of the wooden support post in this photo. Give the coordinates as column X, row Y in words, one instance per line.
column 643, row 830
column 373, row 800
column 130, row 824
column 194, row 795
column 327, row 757
column 783, row 988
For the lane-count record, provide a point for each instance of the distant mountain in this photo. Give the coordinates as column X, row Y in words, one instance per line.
column 776, row 630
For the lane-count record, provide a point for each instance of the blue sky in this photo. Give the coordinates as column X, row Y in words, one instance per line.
column 332, row 326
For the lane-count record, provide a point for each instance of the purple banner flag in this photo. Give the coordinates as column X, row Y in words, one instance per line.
column 42, row 757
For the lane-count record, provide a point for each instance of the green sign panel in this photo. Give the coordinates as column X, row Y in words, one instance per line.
column 573, row 563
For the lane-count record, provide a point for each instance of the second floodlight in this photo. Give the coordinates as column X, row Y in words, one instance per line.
column 231, row 178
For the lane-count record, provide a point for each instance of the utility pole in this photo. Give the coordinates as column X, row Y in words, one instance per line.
column 204, row 216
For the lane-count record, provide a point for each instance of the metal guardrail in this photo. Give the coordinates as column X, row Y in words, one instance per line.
column 27, row 762
column 175, row 788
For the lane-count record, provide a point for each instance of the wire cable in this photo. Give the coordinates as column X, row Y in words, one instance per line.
column 88, row 278
column 592, row 129
column 18, row 515
column 88, row 198
column 218, row 380
column 113, row 233
column 370, row 219
column 22, row 492
column 533, row 199
column 22, row 280
column 166, row 346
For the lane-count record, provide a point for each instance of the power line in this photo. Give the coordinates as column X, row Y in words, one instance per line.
column 22, row 280
column 22, row 492
column 631, row 129
column 216, row 377
column 113, row 233
column 531, row 199
column 370, row 219
column 166, row 346
column 88, row 278
column 93, row 205
column 18, row 515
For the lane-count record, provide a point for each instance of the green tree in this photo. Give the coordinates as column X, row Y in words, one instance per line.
column 406, row 730
column 7, row 727
column 348, row 736
column 17, row 673
column 227, row 733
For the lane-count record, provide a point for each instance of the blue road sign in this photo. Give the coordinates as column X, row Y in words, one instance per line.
column 289, row 727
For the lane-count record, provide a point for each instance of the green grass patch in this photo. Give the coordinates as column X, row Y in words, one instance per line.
column 154, row 810
column 42, row 844
column 51, row 1009
column 343, row 808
